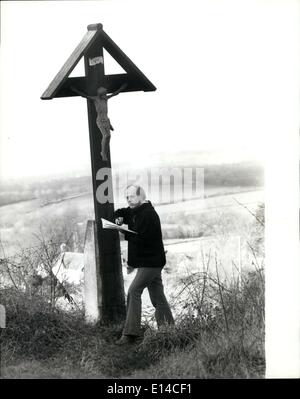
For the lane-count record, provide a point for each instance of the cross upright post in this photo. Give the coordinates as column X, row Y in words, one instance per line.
column 111, row 298
column 110, row 287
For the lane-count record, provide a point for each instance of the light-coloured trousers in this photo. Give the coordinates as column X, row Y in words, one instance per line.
column 146, row 277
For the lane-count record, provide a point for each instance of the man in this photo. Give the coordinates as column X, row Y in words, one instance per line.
column 103, row 122
column 146, row 253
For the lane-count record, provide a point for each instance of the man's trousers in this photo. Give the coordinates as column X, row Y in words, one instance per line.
column 146, row 277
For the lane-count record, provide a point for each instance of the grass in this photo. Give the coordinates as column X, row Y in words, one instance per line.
column 218, row 334
column 34, row 369
column 202, row 361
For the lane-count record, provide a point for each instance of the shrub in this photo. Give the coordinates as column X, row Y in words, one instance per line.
column 222, row 325
column 34, row 328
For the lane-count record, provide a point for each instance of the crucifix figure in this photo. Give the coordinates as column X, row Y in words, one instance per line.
column 102, row 121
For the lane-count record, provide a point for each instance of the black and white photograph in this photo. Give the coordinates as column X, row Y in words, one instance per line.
column 149, row 192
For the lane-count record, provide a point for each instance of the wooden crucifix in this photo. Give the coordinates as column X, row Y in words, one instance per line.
column 97, row 88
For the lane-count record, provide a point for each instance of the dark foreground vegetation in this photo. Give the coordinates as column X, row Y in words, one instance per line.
column 219, row 330
column 218, row 334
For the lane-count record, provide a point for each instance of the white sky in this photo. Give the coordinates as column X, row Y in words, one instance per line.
column 227, row 74
column 219, row 67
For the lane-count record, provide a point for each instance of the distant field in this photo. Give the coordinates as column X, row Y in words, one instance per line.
column 18, row 222
column 222, row 176
column 68, row 203
column 247, row 197
column 82, row 205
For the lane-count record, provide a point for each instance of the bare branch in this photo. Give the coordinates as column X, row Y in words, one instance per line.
column 253, row 214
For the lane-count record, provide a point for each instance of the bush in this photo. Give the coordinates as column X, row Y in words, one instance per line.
column 222, row 326
column 219, row 333
column 34, row 328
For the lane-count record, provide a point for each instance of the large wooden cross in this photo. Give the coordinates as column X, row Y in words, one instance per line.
column 111, row 300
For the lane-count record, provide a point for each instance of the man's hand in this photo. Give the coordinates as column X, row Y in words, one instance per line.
column 119, row 221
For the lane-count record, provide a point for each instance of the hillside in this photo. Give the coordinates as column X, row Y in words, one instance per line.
column 219, row 329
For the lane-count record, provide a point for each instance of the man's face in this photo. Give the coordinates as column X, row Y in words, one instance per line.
column 132, row 198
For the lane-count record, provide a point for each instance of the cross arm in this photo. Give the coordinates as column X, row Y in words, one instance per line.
column 111, row 82
column 127, row 81
column 126, row 63
column 80, row 93
column 60, row 78
column 67, row 89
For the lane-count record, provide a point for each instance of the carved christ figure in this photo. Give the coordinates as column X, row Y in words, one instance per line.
column 102, row 121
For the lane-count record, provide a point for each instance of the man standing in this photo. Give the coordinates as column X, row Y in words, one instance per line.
column 146, row 253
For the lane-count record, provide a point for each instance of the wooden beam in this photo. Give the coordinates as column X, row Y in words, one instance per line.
column 94, row 40
column 110, row 82
column 69, row 65
column 78, row 82
column 126, row 63
column 112, row 304
column 94, row 26
column 113, row 82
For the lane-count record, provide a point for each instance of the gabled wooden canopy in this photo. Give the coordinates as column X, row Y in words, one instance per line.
column 95, row 39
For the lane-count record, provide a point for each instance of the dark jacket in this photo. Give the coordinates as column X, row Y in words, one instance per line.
column 146, row 248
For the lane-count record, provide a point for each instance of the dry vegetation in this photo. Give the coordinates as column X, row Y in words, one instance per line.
column 224, row 340
column 219, row 331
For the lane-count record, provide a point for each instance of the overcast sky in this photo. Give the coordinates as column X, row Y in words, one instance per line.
column 224, row 70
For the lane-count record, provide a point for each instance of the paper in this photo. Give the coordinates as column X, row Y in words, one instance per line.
column 106, row 224
column 95, row 61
